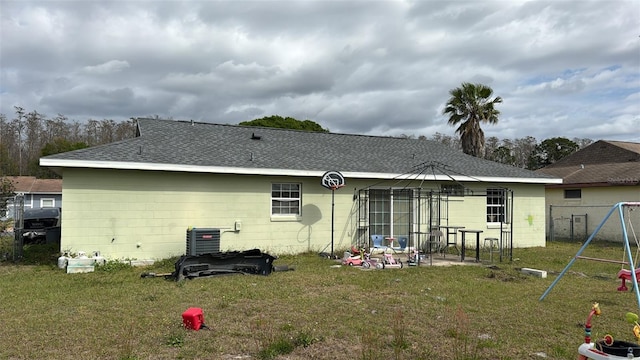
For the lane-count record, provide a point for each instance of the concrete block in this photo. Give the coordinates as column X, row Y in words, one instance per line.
column 81, row 262
column 80, row 269
column 534, row 272
column 141, row 262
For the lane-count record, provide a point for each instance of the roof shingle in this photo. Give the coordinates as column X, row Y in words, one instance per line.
column 164, row 142
column 601, row 163
column 31, row 185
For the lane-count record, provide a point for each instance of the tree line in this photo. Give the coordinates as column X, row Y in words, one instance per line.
column 30, row 135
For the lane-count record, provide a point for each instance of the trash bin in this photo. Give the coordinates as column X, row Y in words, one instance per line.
column 53, row 235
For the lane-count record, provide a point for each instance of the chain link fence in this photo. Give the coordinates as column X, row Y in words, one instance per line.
column 577, row 223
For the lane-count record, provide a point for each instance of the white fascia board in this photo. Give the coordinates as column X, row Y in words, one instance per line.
column 459, row 178
column 281, row 172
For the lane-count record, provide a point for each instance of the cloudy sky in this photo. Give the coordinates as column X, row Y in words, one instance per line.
column 563, row 68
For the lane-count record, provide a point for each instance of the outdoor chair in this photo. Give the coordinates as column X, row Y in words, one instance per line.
column 402, row 243
column 434, row 242
column 376, row 240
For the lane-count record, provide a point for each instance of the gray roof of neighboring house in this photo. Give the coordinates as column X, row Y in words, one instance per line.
column 206, row 147
column 602, row 163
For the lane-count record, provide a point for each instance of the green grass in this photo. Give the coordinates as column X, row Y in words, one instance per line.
column 318, row 311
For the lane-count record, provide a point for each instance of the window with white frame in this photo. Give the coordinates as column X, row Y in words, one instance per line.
column 390, row 212
column 47, row 202
column 285, row 199
column 495, row 205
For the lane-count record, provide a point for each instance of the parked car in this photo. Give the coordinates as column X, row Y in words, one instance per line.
column 41, row 225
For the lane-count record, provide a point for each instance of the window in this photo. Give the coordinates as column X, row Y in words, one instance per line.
column 390, row 212
column 47, row 203
column 495, row 205
column 285, row 199
column 573, row 193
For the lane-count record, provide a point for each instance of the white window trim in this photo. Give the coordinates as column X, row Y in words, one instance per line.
column 285, row 217
column 43, row 200
column 491, row 224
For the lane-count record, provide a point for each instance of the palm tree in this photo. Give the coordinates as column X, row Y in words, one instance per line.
column 470, row 105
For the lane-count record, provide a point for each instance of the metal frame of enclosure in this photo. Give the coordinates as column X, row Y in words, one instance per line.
column 428, row 211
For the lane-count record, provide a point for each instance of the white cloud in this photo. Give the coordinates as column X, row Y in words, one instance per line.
column 370, row 67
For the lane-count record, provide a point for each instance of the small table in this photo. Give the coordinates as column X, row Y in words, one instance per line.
column 477, row 232
column 452, row 230
column 390, row 241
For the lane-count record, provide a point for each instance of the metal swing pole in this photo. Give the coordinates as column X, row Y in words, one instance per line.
column 629, row 256
column 579, row 252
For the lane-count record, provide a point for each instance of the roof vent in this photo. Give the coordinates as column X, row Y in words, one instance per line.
column 255, row 137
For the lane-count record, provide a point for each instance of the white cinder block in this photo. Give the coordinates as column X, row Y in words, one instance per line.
column 535, row 272
column 80, row 269
column 81, row 262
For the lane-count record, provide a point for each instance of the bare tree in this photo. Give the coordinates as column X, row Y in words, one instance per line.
column 522, row 149
column 450, row 141
column 18, row 127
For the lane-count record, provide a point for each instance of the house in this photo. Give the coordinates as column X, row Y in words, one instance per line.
column 594, row 179
column 36, row 193
column 271, row 189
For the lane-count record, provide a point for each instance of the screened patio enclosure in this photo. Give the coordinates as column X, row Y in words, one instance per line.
column 413, row 213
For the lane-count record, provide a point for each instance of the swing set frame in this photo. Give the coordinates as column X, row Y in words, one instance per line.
column 619, row 206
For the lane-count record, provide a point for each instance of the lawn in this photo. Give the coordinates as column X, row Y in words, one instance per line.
column 317, row 311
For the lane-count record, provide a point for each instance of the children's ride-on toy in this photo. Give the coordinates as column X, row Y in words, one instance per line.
column 413, row 258
column 353, row 258
column 388, row 261
column 360, row 258
column 607, row 348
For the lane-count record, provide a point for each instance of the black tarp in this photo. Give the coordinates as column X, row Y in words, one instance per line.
column 223, row 263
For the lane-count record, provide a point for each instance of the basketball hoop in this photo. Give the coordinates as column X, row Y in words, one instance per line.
column 332, row 180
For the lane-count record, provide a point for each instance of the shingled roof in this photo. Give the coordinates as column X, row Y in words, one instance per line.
column 32, row 185
column 603, row 163
column 214, row 148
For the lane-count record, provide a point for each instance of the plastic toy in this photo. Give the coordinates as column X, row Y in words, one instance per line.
column 607, row 348
column 413, row 258
column 625, row 275
column 388, row 261
column 360, row 258
column 353, row 258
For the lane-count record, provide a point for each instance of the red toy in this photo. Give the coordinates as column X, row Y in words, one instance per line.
column 193, row 319
column 625, row 275
column 360, row 258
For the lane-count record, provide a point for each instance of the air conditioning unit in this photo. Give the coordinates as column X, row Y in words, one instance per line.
column 203, row 241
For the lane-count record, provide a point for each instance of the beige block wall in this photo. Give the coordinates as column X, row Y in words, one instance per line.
column 563, row 214
column 144, row 215
column 528, row 214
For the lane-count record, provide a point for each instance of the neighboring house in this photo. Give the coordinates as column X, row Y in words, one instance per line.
column 37, row 193
column 594, row 179
column 261, row 188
